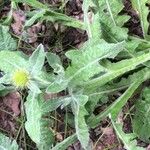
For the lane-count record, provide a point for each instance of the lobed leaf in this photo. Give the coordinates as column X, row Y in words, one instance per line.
column 115, row 108
column 128, row 140
column 115, row 70
column 111, row 20
column 85, row 63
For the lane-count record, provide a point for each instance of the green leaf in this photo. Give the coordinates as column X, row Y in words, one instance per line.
column 85, row 63
column 55, row 62
column 7, row 144
column 65, row 143
column 46, row 13
column 36, row 126
column 33, row 86
column 6, row 41
column 100, row 96
column 130, row 49
column 36, row 60
column 111, row 22
column 92, row 24
column 33, row 3
column 52, row 104
column 11, row 61
column 54, row 16
column 143, row 11
column 44, row 79
column 116, row 107
column 116, row 69
column 141, row 120
column 79, row 111
column 38, row 14
column 97, row 99
column 58, row 85
column 128, row 139
column 111, row 13
column 122, row 100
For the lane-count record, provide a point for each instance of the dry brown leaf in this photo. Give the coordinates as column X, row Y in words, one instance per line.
column 12, row 100
column 19, row 20
column 33, row 32
column 107, row 131
column 59, row 137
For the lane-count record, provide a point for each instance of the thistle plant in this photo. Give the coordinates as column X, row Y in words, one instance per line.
column 108, row 62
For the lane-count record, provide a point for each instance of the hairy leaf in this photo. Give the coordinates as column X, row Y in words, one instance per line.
column 36, row 60
column 92, row 23
column 58, row 85
column 116, row 69
column 54, row 61
column 111, row 21
column 6, row 41
column 63, row 19
column 53, row 16
column 128, row 140
column 53, row 104
column 36, row 126
column 100, row 95
column 79, row 111
column 143, row 11
column 37, row 15
column 11, row 61
column 45, row 13
column 115, row 107
column 7, row 144
column 85, row 63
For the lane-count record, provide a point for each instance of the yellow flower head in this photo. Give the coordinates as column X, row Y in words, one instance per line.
column 20, row 78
